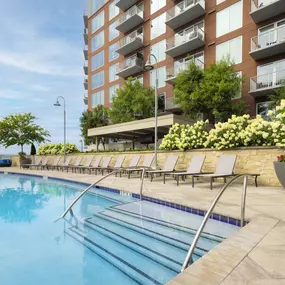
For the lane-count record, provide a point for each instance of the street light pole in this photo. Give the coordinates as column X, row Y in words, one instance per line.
column 148, row 67
column 57, row 104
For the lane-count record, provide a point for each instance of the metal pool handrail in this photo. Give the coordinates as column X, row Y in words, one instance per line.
column 209, row 212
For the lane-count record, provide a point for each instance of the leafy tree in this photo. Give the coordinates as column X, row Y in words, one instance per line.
column 132, row 101
column 33, row 149
column 21, row 130
column 277, row 96
column 98, row 117
column 209, row 92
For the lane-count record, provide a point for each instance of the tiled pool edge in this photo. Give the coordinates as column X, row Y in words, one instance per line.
column 214, row 216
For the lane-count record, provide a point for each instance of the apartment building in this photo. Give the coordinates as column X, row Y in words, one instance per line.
column 119, row 35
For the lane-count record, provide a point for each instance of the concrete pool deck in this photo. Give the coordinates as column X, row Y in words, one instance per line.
column 255, row 255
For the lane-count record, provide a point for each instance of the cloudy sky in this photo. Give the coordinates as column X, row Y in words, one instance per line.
column 41, row 58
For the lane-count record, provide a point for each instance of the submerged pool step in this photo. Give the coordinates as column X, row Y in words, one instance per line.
column 137, row 265
column 178, row 237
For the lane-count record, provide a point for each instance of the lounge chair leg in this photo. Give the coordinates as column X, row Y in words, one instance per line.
column 255, row 180
column 177, row 180
column 193, row 181
column 151, row 177
column 211, row 183
column 225, row 180
column 164, row 178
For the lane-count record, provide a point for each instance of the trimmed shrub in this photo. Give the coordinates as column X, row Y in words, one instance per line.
column 57, row 149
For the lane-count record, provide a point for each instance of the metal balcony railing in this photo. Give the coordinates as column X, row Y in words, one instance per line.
column 170, row 105
column 85, row 99
column 257, row 4
column 135, row 10
column 265, row 81
column 265, row 40
column 130, row 62
column 135, row 35
column 181, row 7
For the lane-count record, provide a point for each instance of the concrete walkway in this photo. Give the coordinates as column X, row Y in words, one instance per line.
column 255, row 255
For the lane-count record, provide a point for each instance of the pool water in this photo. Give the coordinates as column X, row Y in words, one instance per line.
column 114, row 239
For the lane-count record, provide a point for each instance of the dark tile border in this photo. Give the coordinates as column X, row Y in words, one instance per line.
column 217, row 217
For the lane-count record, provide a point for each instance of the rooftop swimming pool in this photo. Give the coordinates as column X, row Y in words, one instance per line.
column 114, row 239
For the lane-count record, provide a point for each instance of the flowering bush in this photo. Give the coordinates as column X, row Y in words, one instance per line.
column 281, row 158
column 57, row 149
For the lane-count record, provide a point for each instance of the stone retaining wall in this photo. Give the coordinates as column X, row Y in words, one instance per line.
column 249, row 160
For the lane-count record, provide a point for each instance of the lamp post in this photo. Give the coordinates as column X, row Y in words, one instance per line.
column 148, row 67
column 57, row 104
column 81, row 142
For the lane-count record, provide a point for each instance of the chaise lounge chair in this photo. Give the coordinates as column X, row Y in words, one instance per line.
column 133, row 164
column 195, row 167
column 76, row 164
column 224, row 169
column 84, row 166
column 147, row 162
column 54, row 164
column 167, row 168
column 66, row 163
column 117, row 166
column 44, row 163
column 36, row 164
column 105, row 165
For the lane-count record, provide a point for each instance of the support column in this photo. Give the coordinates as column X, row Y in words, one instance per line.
column 97, row 143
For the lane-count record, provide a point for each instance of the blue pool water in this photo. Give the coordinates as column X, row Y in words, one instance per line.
column 115, row 239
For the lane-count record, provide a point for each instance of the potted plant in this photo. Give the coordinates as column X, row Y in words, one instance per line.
column 24, row 160
column 279, row 166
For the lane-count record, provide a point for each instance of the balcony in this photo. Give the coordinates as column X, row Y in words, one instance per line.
column 85, row 52
column 85, row 19
column 85, row 67
column 182, row 44
column 170, row 106
column 85, row 35
column 130, row 43
column 130, row 66
column 85, row 82
column 184, row 12
column 125, row 4
column 85, row 99
column 262, row 10
column 130, row 19
column 264, row 85
column 268, row 44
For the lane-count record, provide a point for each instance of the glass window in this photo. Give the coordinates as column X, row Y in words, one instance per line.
column 97, row 22
column 229, row 19
column 139, row 78
column 262, row 108
column 161, row 102
column 156, row 5
column 112, row 51
column 161, row 76
column 112, row 92
column 95, row 5
column 97, row 60
column 232, row 48
column 97, row 41
column 112, row 73
column 158, row 26
column 113, row 10
column 113, row 32
column 97, row 98
column 159, row 50
column 97, row 79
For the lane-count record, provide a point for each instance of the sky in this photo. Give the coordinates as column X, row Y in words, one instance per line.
column 41, row 57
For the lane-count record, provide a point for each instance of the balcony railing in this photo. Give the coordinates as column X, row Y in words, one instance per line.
column 267, row 82
column 170, row 105
column 85, row 99
column 130, row 43
column 85, row 19
column 257, row 4
column 130, row 66
column 125, row 4
column 85, row 82
column 85, row 67
column 130, row 19
column 184, row 12
column 85, row 35
column 85, row 52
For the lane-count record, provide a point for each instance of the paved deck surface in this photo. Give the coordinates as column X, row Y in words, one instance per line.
column 255, row 255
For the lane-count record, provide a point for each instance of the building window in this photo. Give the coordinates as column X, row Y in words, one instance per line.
column 97, row 98
column 97, row 41
column 97, row 80
column 232, row 48
column 97, row 60
column 113, row 10
column 95, row 5
column 262, row 108
column 112, row 92
column 112, row 73
column 113, row 32
column 158, row 26
column 139, row 78
column 156, row 5
column 112, row 51
column 239, row 94
column 229, row 19
column 97, row 22
column 161, row 76
column 159, row 50
column 161, row 102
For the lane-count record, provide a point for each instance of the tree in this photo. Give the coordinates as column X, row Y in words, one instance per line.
column 33, row 149
column 277, row 96
column 209, row 92
column 132, row 101
column 98, row 117
column 20, row 129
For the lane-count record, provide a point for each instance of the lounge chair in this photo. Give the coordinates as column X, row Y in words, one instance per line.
column 76, row 164
column 44, row 163
column 67, row 162
column 118, row 164
column 167, row 168
column 54, row 164
column 224, row 169
column 36, row 164
column 94, row 166
column 195, row 167
column 105, row 165
column 85, row 165
column 133, row 164
column 147, row 162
